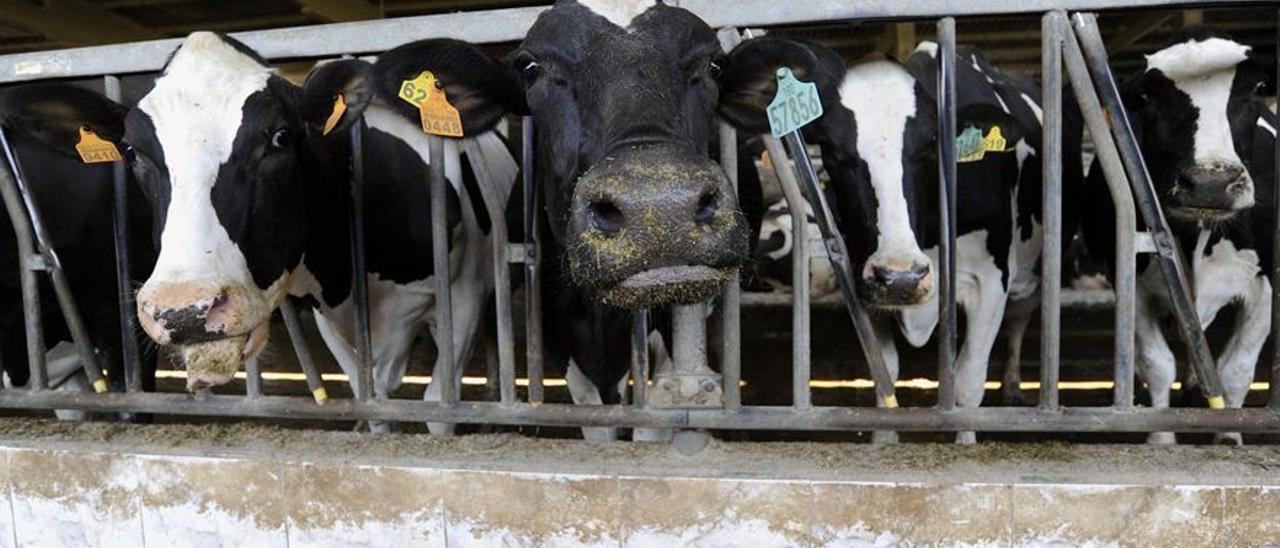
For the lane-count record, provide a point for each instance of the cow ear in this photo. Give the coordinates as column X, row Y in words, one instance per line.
column 748, row 81
column 53, row 114
column 335, row 94
column 988, row 118
column 481, row 87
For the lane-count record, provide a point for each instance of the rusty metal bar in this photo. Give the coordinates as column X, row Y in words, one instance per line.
column 532, row 268
column 1051, row 207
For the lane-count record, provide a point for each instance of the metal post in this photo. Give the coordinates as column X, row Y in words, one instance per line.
column 1275, row 269
column 495, row 206
column 946, row 213
column 444, row 372
column 308, row 365
column 639, row 355
column 691, row 383
column 800, row 366
column 28, row 261
column 120, row 218
column 731, row 297
column 532, row 269
column 1170, row 259
column 1051, row 207
column 1125, row 279
column 364, row 338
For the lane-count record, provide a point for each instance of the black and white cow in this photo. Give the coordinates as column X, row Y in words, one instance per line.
column 773, row 251
column 1209, row 141
column 251, row 201
column 878, row 137
column 75, row 199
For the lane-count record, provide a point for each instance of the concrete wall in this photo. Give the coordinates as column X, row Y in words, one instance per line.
column 105, row 485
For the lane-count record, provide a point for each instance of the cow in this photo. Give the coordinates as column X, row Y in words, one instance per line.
column 251, row 199
column 43, row 124
column 773, row 251
column 1209, row 139
column 878, row 136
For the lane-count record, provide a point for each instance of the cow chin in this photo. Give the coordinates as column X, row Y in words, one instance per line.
column 891, row 298
column 215, row 363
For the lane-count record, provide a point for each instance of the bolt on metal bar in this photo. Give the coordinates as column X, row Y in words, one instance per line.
column 639, row 356
column 57, row 277
column 1051, row 207
column 532, row 268
column 315, row 383
column 1170, row 260
column 359, row 275
column 445, row 367
column 1274, row 400
column 27, row 256
column 495, row 206
column 800, row 332
column 946, row 213
column 120, row 224
column 1125, row 279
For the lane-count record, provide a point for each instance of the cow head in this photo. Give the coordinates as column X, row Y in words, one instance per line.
column 623, row 97
column 215, row 146
column 1193, row 109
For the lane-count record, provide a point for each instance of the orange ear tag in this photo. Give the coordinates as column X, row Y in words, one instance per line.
column 94, row 149
column 439, row 117
column 766, row 161
column 339, row 108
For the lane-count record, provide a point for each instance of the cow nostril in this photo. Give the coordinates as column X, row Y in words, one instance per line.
column 919, row 271
column 707, row 208
column 881, row 274
column 606, row 217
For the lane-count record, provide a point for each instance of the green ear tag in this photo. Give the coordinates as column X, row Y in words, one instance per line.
column 795, row 104
column 969, row 146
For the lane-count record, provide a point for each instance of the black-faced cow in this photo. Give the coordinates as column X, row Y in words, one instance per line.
column 252, row 204
column 75, row 200
column 878, row 138
column 1209, row 142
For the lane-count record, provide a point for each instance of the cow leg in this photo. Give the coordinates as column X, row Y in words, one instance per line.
column 585, row 392
column 66, row 373
column 1017, row 318
column 984, row 311
column 468, row 291
column 1239, row 359
column 1156, row 362
column 345, row 354
column 889, row 351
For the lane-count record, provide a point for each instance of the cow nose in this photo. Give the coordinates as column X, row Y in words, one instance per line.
column 891, row 277
column 182, row 313
column 606, row 217
column 612, row 213
column 894, row 285
column 1215, row 174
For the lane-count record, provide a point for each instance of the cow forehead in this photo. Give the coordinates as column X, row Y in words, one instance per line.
column 619, row 12
column 1195, row 58
column 882, row 96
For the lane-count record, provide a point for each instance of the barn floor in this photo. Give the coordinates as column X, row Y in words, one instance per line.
column 102, row 484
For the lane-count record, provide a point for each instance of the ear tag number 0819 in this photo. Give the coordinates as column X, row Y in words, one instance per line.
column 795, row 105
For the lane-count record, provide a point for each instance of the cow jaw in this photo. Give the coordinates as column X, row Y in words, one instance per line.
column 686, row 284
column 215, row 363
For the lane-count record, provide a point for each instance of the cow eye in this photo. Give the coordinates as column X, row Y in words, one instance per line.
column 529, row 69
column 716, row 68
column 130, row 155
column 281, row 138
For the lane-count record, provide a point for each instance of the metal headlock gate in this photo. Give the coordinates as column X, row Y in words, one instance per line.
column 692, row 396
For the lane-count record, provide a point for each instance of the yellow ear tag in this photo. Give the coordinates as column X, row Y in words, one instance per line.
column 766, row 161
column 339, row 108
column 94, row 149
column 415, row 91
column 439, row 117
column 994, row 141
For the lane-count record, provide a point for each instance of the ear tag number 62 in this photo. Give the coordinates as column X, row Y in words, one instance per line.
column 795, row 104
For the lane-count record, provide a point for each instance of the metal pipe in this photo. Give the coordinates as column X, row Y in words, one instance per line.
column 731, row 297
column 532, row 269
column 1171, row 262
column 800, row 366
column 124, row 271
column 364, row 338
column 1125, row 278
column 495, row 206
column 639, row 356
column 315, row 383
column 946, row 213
column 445, row 365
column 1051, row 208
column 1274, row 400
column 253, row 378
column 28, row 262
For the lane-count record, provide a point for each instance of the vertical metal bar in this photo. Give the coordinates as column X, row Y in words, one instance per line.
column 120, row 223
column 800, row 366
column 532, row 268
column 639, row 356
column 364, row 338
column 1125, row 279
column 495, row 206
column 1051, row 207
column 253, row 378
column 1170, row 259
column 731, row 297
column 1274, row 401
column 946, row 213
column 445, row 368
column 58, row 278
column 27, row 259
column 298, row 338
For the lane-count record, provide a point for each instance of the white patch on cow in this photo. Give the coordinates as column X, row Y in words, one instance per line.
column 619, row 12
column 1197, row 58
column 1031, row 103
column 1024, row 280
column 1262, row 123
column 1223, row 274
column 929, row 47
column 882, row 96
column 196, row 109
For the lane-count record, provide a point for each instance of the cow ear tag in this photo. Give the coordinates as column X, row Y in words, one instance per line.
column 94, row 149
column 970, row 146
column 766, row 161
column 339, row 108
column 794, row 105
column 438, row 116
column 415, row 91
column 994, row 141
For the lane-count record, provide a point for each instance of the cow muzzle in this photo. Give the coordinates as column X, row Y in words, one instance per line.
column 897, row 283
column 653, row 226
column 1213, row 191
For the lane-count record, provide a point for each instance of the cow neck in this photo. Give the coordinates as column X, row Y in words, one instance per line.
column 327, row 258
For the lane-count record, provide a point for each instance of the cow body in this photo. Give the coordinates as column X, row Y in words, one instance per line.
column 1210, row 144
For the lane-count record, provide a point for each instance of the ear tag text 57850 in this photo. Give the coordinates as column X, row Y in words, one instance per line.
column 339, row 108
column 795, row 104
column 439, row 117
column 94, row 149
column 416, row 90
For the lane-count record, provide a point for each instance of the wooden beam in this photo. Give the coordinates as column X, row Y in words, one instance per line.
column 74, row 22
column 341, row 10
column 1137, row 28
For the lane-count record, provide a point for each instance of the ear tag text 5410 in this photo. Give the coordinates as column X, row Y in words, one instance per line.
column 416, row 90
column 94, row 149
column 438, row 116
column 971, row 146
column 339, row 108
column 795, row 104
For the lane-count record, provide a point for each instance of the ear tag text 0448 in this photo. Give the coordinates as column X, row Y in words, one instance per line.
column 339, row 108
column 438, row 117
column 416, row 90
column 94, row 149
column 795, row 104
